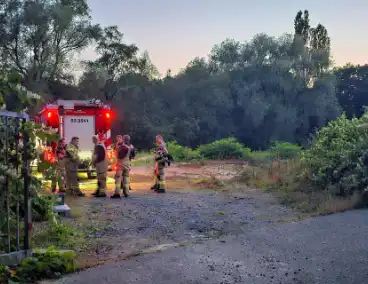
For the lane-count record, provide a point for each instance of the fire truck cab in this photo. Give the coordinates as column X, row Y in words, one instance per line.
column 82, row 119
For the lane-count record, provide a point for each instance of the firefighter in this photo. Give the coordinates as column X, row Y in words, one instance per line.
column 99, row 161
column 71, row 166
column 122, row 167
column 131, row 157
column 161, row 158
column 119, row 142
column 60, row 174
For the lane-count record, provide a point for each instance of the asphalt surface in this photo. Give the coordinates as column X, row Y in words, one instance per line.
column 331, row 249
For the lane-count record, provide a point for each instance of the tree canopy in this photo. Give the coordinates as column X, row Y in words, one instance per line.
column 261, row 90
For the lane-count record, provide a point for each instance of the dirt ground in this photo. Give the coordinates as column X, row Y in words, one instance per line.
column 200, row 204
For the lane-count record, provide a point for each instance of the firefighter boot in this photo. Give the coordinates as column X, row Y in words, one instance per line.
column 160, row 190
column 101, row 184
column 121, row 186
column 98, row 189
column 100, row 194
column 161, row 181
column 115, row 196
column 155, row 186
column 78, row 192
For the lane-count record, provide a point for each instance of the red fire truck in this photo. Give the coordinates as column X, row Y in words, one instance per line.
column 82, row 119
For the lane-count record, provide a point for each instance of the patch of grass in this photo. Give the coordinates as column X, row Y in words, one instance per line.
column 284, row 181
column 62, row 235
column 207, row 182
column 259, row 157
column 67, row 233
column 317, row 203
column 143, row 159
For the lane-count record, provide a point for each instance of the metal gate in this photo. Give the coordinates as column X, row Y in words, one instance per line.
column 15, row 217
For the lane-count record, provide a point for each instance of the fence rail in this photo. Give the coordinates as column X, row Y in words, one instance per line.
column 15, row 205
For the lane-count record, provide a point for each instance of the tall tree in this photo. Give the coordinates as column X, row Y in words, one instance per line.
column 311, row 48
column 302, row 26
column 117, row 62
column 38, row 37
column 352, row 89
column 271, row 98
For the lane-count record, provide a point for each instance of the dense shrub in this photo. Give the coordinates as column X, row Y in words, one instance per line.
column 181, row 153
column 285, row 150
column 260, row 157
column 228, row 148
column 49, row 264
column 338, row 158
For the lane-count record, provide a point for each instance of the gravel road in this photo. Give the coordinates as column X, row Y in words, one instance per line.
column 147, row 219
column 324, row 250
column 223, row 237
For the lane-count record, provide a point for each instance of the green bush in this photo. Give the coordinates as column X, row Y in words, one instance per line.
column 285, row 150
column 259, row 157
column 181, row 153
column 338, row 158
column 228, row 148
column 4, row 274
column 49, row 264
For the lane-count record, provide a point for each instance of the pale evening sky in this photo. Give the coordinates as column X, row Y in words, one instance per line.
column 174, row 31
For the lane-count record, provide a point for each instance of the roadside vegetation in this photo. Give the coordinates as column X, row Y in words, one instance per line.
column 255, row 103
column 50, row 232
column 326, row 177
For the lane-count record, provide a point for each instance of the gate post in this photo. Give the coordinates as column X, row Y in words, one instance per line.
column 27, row 201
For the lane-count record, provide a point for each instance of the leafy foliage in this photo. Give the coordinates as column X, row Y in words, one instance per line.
column 267, row 89
column 12, row 176
column 352, row 89
column 263, row 90
column 49, row 264
column 37, row 38
column 285, row 150
column 181, row 153
column 4, row 274
column 338, row 158
column 228, row 148
column 258, row 91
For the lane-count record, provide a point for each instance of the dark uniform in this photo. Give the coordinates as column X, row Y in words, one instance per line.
column 60, row 175
column 71, row 165
column 101, row 164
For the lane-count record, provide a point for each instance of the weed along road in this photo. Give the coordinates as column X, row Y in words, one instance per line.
column 217, row 236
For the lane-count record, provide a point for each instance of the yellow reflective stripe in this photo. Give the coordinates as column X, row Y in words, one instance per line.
column 162, row 182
